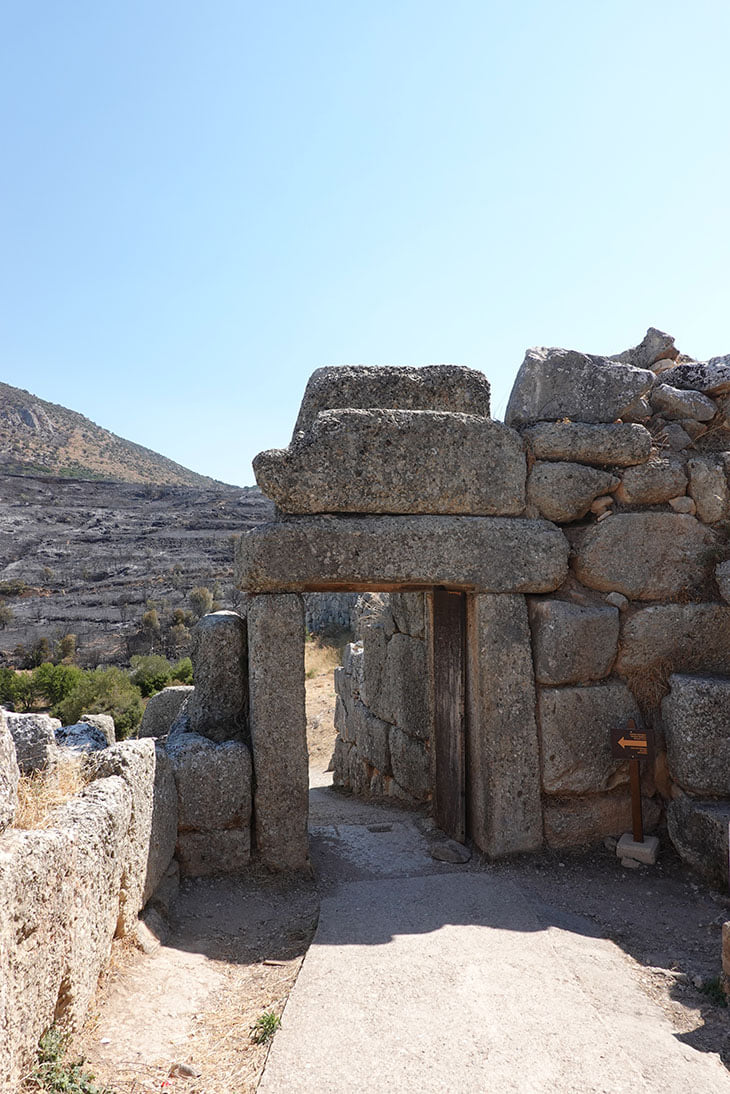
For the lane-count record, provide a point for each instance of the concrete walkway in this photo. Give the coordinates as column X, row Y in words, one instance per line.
column 428, row 977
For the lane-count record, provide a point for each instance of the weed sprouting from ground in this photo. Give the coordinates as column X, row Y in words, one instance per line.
column 39, row 793
column 265, row 1027
column 53, row 1075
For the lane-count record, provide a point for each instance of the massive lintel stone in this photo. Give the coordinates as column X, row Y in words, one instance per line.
column 620, row 445
column 502, row 742
column 710, row 377
column 564, row 492
column 448, row 388
column 572, row 643
column 397, row 461
column 483, row 554
column 574, row 725
column 683, row 637
column 696, row 717
column 645, row 556
column 561, row 383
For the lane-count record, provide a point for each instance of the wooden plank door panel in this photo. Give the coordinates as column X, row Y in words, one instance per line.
column 449, row 629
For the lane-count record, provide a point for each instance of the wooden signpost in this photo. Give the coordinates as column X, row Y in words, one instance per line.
column 634, row 745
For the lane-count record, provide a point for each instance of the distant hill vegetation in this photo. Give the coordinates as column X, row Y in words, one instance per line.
column 41, row 438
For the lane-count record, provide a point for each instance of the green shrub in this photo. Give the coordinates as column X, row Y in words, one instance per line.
column 55, row 682
column 55, row 1075
column 183, row 671
column 8, row 686
column 151, row 673
column 104, row 691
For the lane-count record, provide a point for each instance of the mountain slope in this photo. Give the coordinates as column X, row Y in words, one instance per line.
column 41, row 438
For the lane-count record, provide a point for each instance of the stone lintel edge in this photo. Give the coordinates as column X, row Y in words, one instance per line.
column 392, row 553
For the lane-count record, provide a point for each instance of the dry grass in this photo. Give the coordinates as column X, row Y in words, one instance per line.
column 40, row 793
column 324, row 654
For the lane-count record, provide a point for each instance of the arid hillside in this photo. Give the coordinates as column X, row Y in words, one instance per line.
column 41, row 438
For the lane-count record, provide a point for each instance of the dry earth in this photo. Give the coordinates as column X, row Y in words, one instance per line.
column 180, row 1019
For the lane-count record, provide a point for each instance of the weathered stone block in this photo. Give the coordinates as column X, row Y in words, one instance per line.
column 279, row 730
column 9, row 775
column 213, row 782
column 162, row 710
column 34, row 739
column 396, row 682
column 572, row 643
column 397, row 461
column 163, row 833
column 652, row 483
column 708, row 486
column 574, row 731
column 645, row 556
column 618, row 445
column 684, row 637
column 710, row 377
column 502, row 742
column 722, row 577
column 560, row 383
column 498, row 554
column 411, row 764
column 672, row 402
column 104, row 723
column 656, row 347
column 409, row 613
column 81, row 737
column 581, row 822
column 564, row 491
column 218, row 705
column 371, row 735
column 696, row 717
column 220, row 851
column 699, row 831
column 134, row 763
column 375, row 651
column 449, row 388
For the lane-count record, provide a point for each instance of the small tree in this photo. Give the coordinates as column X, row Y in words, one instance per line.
column 201, row 600
column 41, row 652
column 150, row 626
column 66, row 648
column 6, row 615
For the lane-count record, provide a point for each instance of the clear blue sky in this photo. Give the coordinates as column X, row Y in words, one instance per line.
column 204, row 202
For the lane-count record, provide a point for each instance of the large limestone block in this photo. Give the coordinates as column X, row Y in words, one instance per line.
column 673, row 403
column 696, row 716
column 710, row 377
column 397, row 461
column 409, row 613
column 655, row 346
column 162, row 710
column 699, row 832
column 722, row 577
column 572, row 643
column 683, row 637
column 34, row 738
column 134, row 762
column 81, row 737
column 449, row 388
column 218, row 705
column 104, row 723
column 96, row 826
column 213, row 782
column 9, row 775
column 575, row 724
column 619, row 445
column 396, row 681
column 645, row 556
column 372, row 737
column 708, row 486
column 502, row 743
column 204, row 854
column 561, row 383
column 564, row 491
column 411, row 764
column 36, row 898
column 582, row 821
column 163, row 834
column 279, row 730
column 498, row 554
column 652, row 483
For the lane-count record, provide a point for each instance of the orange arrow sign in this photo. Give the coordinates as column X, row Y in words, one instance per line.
column 633, row 742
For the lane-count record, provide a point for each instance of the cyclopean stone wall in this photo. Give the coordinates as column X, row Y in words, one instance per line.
column 590, row 532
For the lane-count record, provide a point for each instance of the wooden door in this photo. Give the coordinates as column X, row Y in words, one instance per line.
column 449, row 631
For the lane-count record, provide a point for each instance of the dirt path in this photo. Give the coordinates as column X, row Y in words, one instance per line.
column 180, row 1019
